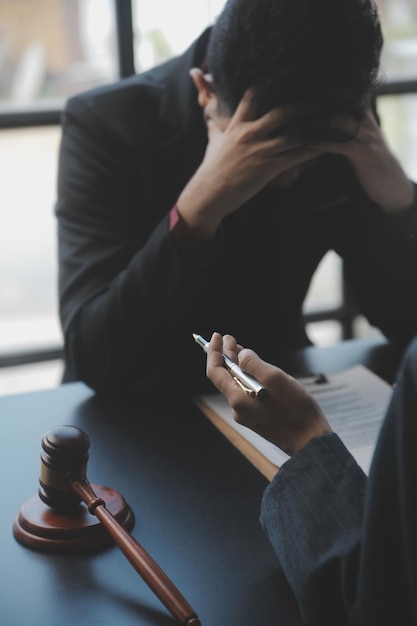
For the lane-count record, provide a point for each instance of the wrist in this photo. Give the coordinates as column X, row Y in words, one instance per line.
column 403, row 200
column 302, row 440
column 198, row 216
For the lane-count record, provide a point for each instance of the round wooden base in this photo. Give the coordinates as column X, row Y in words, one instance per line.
column 39, row 527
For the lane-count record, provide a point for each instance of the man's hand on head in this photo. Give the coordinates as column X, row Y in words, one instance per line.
column 244, row 154
column 379, row 172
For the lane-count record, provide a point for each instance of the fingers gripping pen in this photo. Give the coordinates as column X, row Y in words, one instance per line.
column 245, row 381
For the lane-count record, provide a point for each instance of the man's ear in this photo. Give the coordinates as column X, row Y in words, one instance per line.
column 204, row 85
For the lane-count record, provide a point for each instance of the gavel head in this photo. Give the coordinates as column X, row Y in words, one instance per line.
column 64, row 458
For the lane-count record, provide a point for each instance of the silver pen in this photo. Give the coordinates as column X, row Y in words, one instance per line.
column 246, row 382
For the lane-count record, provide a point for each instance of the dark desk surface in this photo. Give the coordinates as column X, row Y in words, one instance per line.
column 196, row 501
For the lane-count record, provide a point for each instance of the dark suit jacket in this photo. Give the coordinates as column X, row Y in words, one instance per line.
column 347, row 544
column 130, row 299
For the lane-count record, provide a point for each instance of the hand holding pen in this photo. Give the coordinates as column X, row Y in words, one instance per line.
column 246, row 382
column 288, row 415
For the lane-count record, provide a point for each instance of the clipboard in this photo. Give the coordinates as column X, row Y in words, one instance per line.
column 354, row 401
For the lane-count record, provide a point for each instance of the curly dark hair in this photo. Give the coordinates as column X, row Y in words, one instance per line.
column 315, row 56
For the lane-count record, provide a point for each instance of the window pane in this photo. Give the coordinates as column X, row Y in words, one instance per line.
column 164, row 29
column 399, row 124
column 28, row 267
column 325, row 290
column 159, row 34
column 50, row 49
column 324, row 333
column 399, row 24
column 30, row 377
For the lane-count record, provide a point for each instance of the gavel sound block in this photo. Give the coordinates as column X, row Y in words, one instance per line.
column 54, row 520
column 69, row 515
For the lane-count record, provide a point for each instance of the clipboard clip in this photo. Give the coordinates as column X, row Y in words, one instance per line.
column 314, row 379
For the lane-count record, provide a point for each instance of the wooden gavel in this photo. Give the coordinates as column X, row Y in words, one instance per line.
column 63, row 486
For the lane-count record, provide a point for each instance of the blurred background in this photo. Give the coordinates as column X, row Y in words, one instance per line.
column 51, row 49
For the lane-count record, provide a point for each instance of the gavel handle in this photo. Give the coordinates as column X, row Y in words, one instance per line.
column 143, row 563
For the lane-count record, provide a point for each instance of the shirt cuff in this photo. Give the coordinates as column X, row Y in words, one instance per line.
column 201, row 251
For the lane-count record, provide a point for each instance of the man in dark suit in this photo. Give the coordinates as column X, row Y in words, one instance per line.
column 226, row 173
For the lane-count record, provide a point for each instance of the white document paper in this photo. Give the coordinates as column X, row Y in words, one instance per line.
column 354, row 401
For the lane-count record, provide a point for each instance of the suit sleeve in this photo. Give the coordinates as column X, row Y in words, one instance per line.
column 380, row 262
column 312, row 513
column 120, row 268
